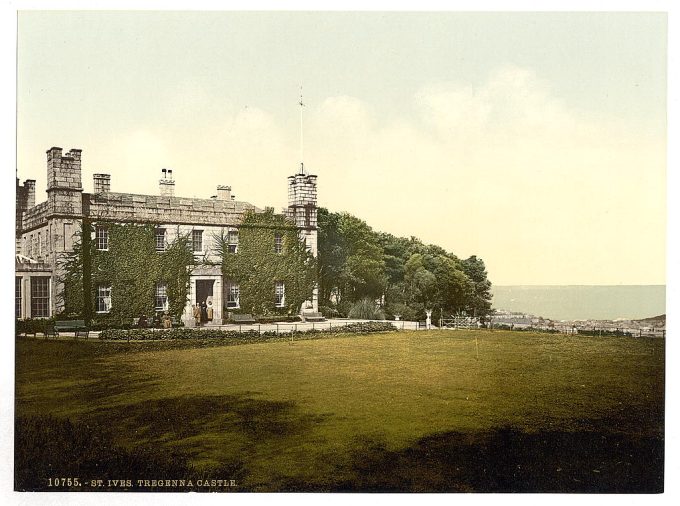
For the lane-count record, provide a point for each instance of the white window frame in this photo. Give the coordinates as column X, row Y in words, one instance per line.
column 162, row 234
column 161, row 295
column 280, row 294
column 231, row 301
column 194, row 235
column 101, row 238
column 18, row 296
column 44, row 297
column 232, row 241
column 103, row 299
column 278, row 243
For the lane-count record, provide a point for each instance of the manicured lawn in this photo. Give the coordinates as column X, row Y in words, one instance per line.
column 396, row 411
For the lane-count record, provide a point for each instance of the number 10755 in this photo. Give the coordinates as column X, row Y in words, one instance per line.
column 63, row 482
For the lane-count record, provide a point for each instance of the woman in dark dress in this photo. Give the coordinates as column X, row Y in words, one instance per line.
column 204, row 312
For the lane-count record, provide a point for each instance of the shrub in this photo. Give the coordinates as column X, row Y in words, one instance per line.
column 366, row 309
column 275, row 319
column 32, row 325
column 344, row 307
column 237, row 337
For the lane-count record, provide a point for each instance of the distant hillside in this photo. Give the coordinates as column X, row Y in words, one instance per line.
column 654, row 319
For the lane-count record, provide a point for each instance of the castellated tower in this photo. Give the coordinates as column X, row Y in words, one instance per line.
column 64, row 185
column 302, row 206
column 64, row 196
column 302, row 211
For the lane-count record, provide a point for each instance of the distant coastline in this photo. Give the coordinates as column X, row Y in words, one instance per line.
column 582, row 302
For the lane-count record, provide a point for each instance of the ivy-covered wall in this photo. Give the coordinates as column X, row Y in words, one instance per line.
column 257, row 266
column 131, row 266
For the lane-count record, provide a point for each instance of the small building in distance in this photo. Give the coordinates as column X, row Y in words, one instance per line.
column 47, row 231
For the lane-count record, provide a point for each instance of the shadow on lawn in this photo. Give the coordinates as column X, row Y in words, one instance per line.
column 178, row 418
column 49, row 447
column 506, row 460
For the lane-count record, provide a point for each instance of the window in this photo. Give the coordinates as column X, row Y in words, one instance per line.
column 197, row 240
column 160, row 239
column 103, row 299
column 280, row 292
column 17, row 296
column 161, row 297
column 232, row 241
column 101, row 238
column 278, row 243
column 40, row 296
column 233, row 294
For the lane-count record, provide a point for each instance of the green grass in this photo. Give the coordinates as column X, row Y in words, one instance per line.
column 399, row 411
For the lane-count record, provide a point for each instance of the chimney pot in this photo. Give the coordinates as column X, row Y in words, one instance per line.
column 167, row 185
column 223, row 192
column 101, row 183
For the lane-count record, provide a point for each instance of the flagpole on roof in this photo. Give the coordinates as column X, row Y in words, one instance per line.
column 302, row 163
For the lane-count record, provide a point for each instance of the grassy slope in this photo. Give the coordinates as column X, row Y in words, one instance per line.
column 305, row 412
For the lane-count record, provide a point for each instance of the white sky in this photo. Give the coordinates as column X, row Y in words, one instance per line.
column 536, row 141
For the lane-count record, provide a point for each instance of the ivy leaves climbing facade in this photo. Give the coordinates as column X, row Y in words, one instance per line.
column 127, row 271
column 270, row 254
column 114, row 271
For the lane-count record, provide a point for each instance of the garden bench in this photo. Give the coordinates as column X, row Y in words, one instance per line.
column 77, row 326
column 243, row 318
column 49, row 331
column 314, row 317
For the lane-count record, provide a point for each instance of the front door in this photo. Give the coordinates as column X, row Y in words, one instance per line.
column 204, row 297
column 204, row 291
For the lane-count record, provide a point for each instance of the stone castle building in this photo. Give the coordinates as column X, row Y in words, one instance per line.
column 46, row 231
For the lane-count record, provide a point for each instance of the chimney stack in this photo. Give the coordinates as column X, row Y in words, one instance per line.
column 166, row 184
column 102, row 183
column 223, row 192
column 29, row 186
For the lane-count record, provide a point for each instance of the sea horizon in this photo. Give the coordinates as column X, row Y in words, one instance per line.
column 582, row 302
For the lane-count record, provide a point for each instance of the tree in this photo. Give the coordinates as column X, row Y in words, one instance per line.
column 332, row 253
column 356, row 262
column 421, row 283
column 480, row 300
column 454, row 287
column 351, row 260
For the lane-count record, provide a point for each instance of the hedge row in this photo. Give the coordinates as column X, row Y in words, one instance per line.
column 250, row 335
column 32, row 325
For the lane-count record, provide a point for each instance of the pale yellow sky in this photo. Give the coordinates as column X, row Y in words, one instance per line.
column 535, row 141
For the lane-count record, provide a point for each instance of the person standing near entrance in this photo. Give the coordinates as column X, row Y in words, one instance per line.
column 197, row 314
column 210, row 308
column 204, row 312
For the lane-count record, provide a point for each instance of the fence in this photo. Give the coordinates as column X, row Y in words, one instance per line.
column 586, row 330
column 444, row 323
column 459, row 322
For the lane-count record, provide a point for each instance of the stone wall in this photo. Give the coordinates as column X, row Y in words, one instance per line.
column 35, row 216
column 126, row 207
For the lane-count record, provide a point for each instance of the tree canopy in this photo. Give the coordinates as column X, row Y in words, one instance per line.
column 404, row 274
